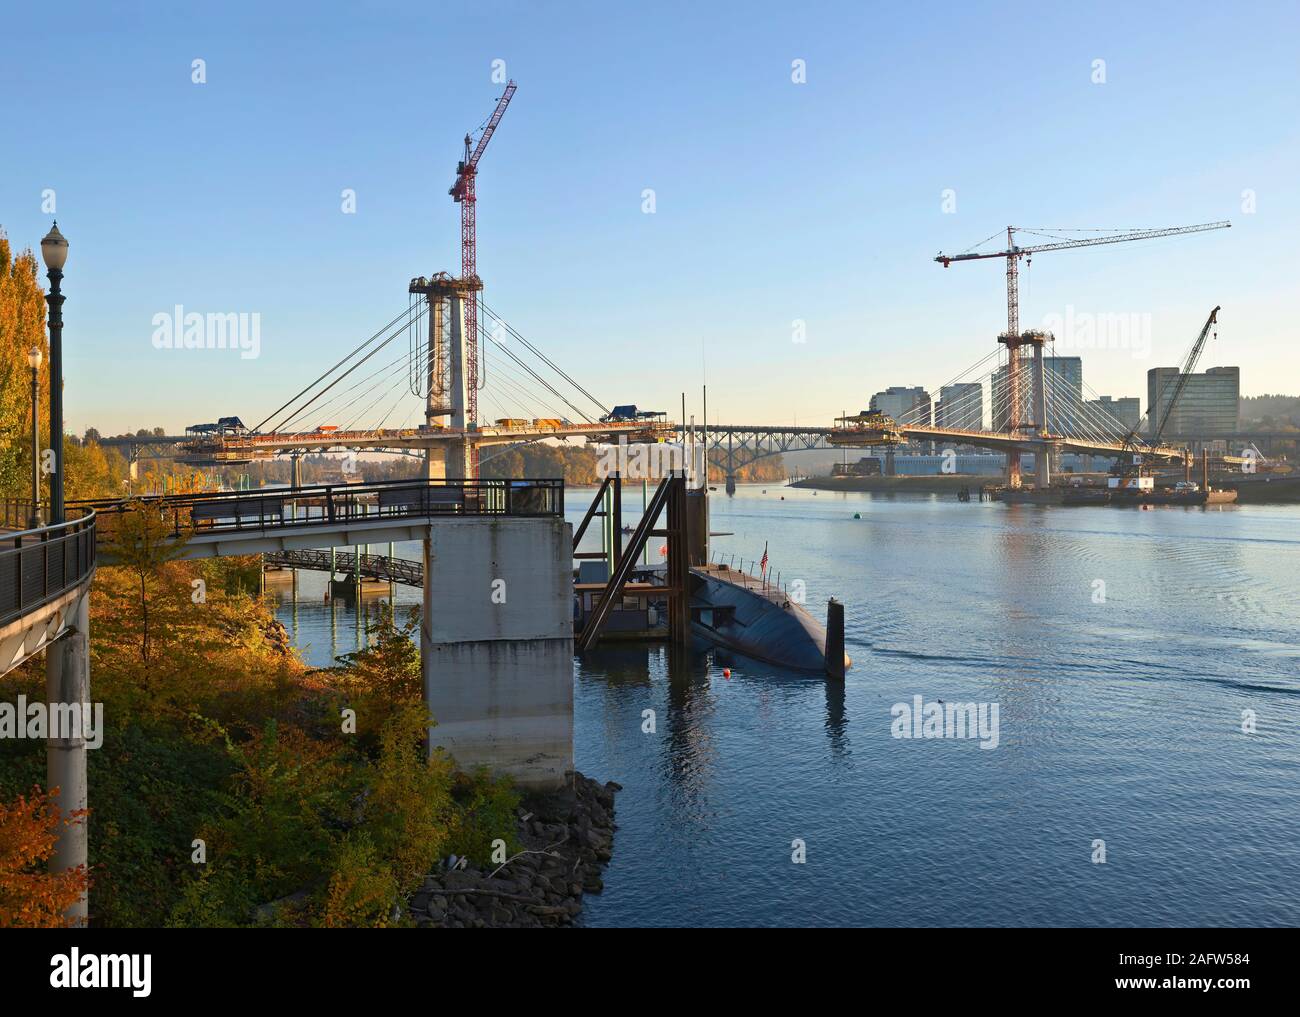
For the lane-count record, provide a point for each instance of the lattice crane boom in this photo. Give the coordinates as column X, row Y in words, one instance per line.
column 1189, row 365
column 1015, row 250
column 1132, row 463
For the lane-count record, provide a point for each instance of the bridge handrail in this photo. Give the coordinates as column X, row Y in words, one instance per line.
column 16, row 513
column 37, row 566
column 271, row 508
column 376, row 566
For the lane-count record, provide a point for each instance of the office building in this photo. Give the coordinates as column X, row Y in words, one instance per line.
column 1209, row 405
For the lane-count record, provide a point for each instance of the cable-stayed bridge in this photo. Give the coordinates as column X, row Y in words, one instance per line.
column 406, row 388
column 403, row 389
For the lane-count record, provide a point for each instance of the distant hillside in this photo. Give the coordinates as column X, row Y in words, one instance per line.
column 1276, row 411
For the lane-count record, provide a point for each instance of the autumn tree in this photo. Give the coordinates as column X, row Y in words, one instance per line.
column 384, row 676
column 22, row 326
column 142, row 539
column 31, row 897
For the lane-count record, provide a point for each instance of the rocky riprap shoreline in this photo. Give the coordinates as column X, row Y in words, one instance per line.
column 566, row 838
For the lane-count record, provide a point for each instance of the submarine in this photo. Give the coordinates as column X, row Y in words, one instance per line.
column 733, row 609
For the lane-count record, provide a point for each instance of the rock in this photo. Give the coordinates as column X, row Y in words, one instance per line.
column 570, row 835
column 459, row 879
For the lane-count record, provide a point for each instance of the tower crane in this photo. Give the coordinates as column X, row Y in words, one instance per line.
column 1014, row 253
column 462, row 191
column 1013, row 338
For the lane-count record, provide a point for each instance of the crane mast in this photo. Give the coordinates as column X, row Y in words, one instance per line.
column 462, row 191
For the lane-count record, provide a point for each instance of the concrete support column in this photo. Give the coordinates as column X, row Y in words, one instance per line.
column 1040, row 391
column 428, row 649
column 435, row 457
column 496, row 645
column 1013, row 408
column 458, row 451
column 731, row 465
column 67, row 680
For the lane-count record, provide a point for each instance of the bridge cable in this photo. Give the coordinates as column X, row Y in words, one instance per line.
column 542, row 356
column 349, row 371
column 389, row 367
column 542, row 381
column 381, row 332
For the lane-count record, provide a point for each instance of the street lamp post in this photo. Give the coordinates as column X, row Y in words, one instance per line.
column 67, row 658
column 34, row 362
column 54, row 251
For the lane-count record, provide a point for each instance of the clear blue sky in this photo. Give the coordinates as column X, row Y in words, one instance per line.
column 775, row 201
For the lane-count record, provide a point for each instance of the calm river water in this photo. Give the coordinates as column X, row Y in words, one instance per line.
column 1120, row 720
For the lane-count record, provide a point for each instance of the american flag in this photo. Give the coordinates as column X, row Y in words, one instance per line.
column 763, row 564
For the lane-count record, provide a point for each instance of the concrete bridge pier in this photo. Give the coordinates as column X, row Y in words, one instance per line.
column 496, row 645
column 67, row 681
column 1043, row 467
column 731, row 464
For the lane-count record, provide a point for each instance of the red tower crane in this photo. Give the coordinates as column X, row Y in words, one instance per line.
column 463, row 192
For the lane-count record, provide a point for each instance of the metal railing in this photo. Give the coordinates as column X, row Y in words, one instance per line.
column 16, row 513
column 273, row 508
column 39, row 566
column 770, row 578
column 371, row 566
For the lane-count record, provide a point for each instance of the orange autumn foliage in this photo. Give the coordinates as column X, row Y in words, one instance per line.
column 30, row 897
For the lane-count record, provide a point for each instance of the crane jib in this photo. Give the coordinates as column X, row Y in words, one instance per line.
column 946, row 259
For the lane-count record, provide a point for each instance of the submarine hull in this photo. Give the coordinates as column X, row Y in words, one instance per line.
column 737, row 611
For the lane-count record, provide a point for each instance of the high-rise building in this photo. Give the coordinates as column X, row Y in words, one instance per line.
column 961, row 406
column 1210, row 403
column 1064, row 378
column 1126, row 411
column 905, row 404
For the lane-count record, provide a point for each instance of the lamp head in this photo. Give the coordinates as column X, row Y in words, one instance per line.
column 54, row 249
column 34, row 358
